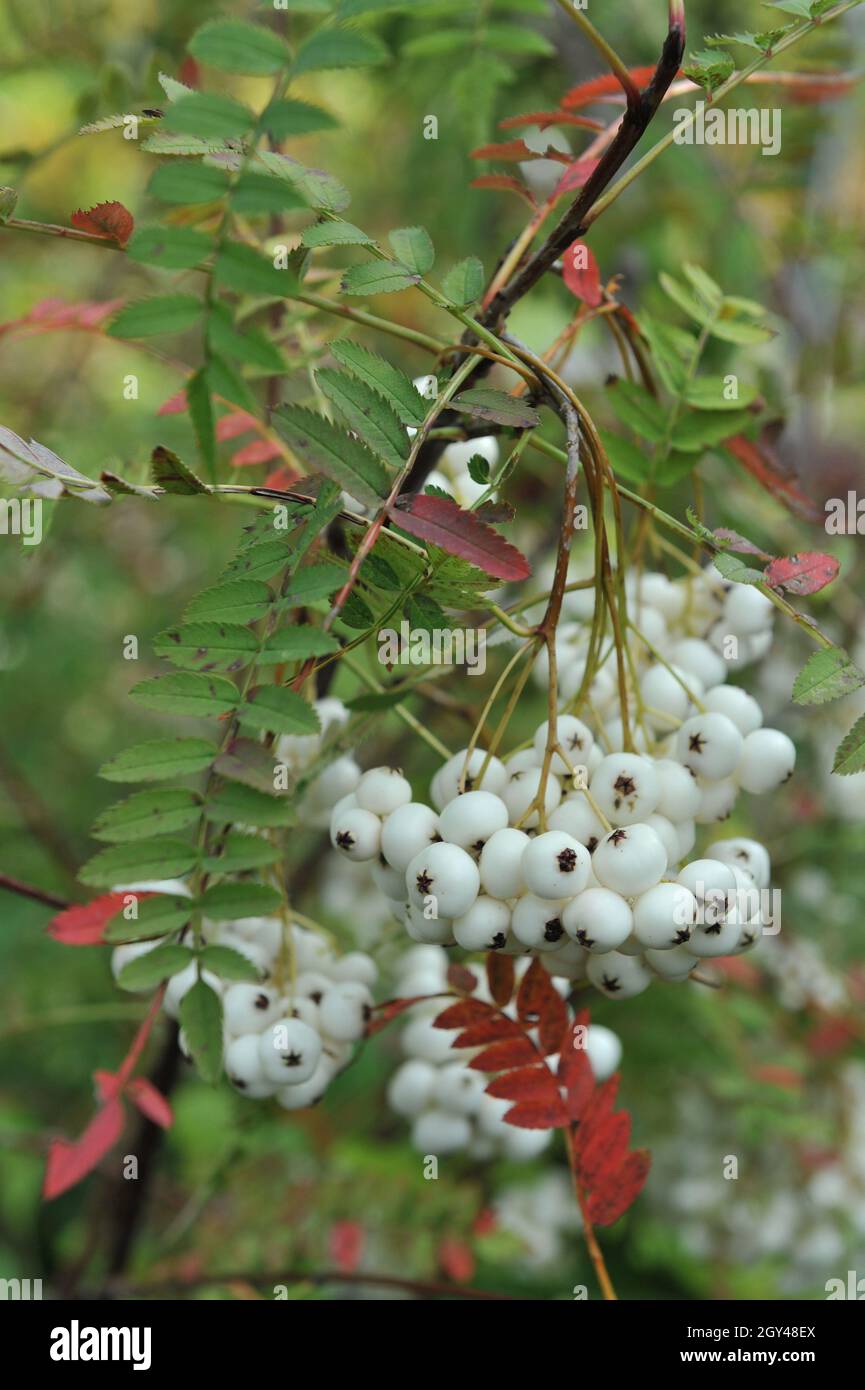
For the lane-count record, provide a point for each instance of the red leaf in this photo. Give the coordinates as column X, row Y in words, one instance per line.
column 456, row 1260
column 83, row 925
column 500, row 977
column 69, row 1162
column 538, row 1001
column 601, row 88
column 175, row 405
column 575, row 177
column 503, row 183
column 467, row 1011
column 150, row 1102
column 578, row 1079
column 501, row 1056
column 259, row 451
column 582, row 275
column 620, row 1189
column 530, row 1114
column 517, row 149
column 806, row 573
column 345, row 1243
column 606, row 1148
column 238, row 422
column 445, row 524
column 460, row 978
column 110, row 220
column 492, row 1029
column 50, row 315
column 546, row 118
column 760, row 461
column 526, row 1083
column 598, row 1111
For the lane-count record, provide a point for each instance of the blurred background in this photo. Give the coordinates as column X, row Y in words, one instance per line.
column 770, row 1069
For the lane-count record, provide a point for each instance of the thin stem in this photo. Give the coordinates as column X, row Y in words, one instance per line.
column 27, row 890
column 607, row 52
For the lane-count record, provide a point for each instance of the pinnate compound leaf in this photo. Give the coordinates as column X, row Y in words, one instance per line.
column 445, row 524
column 229, row 964
column 157, row 915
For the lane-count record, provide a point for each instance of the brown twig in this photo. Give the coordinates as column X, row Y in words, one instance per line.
column 27, row 890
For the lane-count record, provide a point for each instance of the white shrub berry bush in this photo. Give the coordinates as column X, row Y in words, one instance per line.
column 576, row 849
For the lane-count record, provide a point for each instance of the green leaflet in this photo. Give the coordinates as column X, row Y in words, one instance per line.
column 158, row 759
column 157, row 812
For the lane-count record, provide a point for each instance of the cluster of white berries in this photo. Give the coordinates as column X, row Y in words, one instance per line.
column 289, row 1034
column 588, row 859
column 445, row 1098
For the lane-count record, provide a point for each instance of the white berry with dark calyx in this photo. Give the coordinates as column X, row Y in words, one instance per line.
column 573, row 737
column 675, row 965
column 555, row 865
column 710, row 745
column 248, row 1008
column 289, row 1051
column 575, row 817
column 537, row 922
column 244, row 1069
column 625, row 788
column 303, row 1094
column 679, row 797
column 445, row 873
column 356, row 834
column 598, row 920
column 485, row 926
column 466, row 772
column 618, row 976
column 630, row 860
column 412, row 1087
column 522, row 790
column 664, row 916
